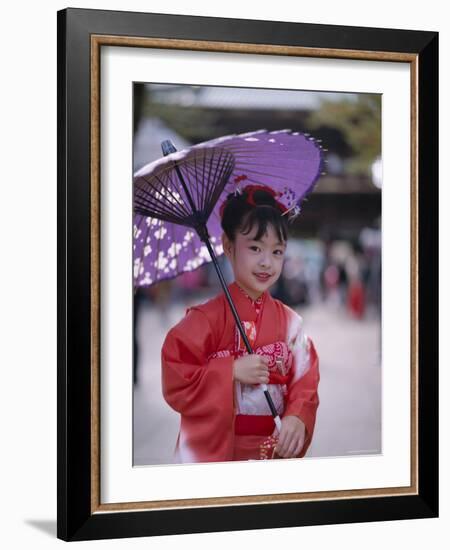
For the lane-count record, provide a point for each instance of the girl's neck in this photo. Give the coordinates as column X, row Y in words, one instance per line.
column 252, row 298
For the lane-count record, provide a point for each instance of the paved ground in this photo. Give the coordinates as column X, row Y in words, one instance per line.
column 349, row 414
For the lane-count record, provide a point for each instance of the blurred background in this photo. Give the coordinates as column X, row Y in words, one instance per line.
column 332, row 271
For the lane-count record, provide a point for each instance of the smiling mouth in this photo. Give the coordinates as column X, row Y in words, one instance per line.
column 262, row 276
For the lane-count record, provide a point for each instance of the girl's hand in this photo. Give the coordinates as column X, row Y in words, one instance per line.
column 291, row 438
column 251, row 369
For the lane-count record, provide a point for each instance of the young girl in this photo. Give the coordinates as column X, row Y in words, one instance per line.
column 207, row 374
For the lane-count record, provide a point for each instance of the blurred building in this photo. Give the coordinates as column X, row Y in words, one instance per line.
column 342, row 203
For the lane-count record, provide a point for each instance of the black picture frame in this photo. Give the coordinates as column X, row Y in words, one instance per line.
column 80, row 517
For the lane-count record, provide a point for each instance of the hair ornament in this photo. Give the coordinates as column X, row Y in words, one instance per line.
column 240, row 178
column 250, row 199
column 292, row 212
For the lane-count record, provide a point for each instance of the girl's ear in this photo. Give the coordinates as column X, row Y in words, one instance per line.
column 226, row 243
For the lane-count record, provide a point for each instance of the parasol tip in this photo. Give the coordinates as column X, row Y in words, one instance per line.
column 168, row 147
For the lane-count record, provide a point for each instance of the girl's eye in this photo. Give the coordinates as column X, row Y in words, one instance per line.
column 255, row 248
column 278, row 252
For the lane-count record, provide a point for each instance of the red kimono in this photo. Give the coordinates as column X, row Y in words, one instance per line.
column 222, row 419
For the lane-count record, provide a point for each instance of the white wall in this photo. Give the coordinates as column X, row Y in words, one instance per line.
column 28, row 275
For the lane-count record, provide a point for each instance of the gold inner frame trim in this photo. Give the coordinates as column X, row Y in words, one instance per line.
column 97, row 41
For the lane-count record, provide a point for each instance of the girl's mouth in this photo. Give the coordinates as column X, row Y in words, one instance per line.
column 262, row 276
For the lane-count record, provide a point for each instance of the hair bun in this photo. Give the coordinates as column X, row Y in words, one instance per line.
column 258, row 195
column 263, row 195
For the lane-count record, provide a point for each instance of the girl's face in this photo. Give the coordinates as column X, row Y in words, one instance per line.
column 256, row 264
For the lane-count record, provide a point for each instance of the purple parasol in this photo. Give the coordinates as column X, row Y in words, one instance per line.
column 165, row 244
column 177, row 201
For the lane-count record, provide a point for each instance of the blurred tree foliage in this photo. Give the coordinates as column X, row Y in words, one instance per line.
column 359, row 122
column 191, row 122
column 351, row 128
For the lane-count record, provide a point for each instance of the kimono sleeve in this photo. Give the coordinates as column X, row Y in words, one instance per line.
column 191, row 384
column 302, row 396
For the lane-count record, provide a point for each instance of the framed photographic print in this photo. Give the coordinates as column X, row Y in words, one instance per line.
column 247, row 274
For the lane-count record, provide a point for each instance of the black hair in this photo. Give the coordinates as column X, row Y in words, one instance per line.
column 240, row 215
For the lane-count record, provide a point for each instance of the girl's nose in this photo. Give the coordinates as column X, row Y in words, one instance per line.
column 264, row 261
